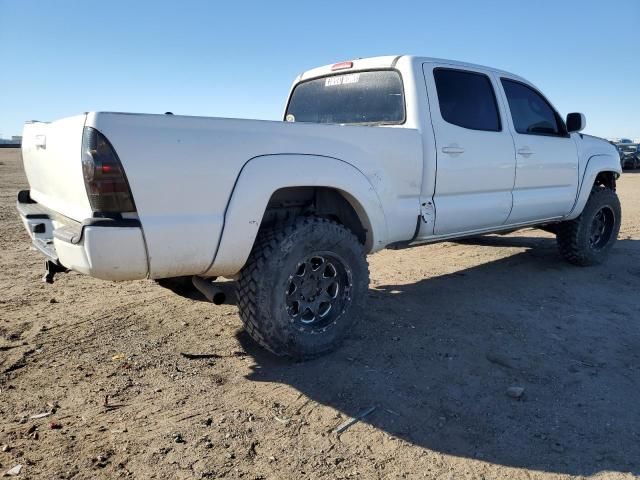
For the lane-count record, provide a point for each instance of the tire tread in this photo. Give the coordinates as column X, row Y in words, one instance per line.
column 251, row 279
column 571, row 234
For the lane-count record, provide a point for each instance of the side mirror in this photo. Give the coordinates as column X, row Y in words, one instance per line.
column 576, row 122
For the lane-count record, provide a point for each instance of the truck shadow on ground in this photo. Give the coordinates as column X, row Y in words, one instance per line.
column 436, row 358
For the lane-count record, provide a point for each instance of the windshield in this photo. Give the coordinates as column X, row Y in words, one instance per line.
column 373, row 97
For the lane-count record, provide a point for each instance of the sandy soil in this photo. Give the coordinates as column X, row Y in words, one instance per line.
column 450, row 327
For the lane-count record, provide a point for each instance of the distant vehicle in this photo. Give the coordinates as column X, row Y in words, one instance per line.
column 372, row 153
column 630, row 156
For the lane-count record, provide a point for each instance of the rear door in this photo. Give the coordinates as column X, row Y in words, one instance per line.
column 474, row 150
column 546, row 181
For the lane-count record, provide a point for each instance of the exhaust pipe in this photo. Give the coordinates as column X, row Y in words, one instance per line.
column 211, row 292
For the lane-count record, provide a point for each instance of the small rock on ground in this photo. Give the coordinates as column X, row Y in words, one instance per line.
column 12, row 472
column 515, row 392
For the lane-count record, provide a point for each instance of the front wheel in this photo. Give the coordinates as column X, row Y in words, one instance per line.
column 588, row 239
column 303, row 287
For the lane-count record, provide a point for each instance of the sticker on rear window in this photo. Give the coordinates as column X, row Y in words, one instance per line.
column 342, row 80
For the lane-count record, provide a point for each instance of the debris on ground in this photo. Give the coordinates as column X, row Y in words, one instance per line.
column 353, row 420
column 13, row 472
column 197, row 356
column 281, row 420
column 40, row 415
column 111, row 406
column 515, row 392
column 499, row 359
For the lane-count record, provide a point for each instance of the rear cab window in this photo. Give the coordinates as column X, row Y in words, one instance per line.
column 373, row 97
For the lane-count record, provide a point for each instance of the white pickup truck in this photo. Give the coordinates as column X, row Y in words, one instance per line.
column 372, row 153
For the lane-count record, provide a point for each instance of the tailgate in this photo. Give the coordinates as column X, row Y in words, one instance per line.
column 51, row 154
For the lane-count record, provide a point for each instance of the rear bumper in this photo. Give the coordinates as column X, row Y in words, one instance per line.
column 100, row 247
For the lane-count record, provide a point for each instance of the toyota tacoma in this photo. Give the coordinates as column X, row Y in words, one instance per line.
column 371, row 153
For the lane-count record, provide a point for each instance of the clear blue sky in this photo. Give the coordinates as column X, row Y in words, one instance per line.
column 237, row 59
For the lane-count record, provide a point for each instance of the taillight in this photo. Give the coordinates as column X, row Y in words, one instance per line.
column 104, row 177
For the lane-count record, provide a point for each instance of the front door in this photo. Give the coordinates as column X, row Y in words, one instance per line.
column 474, row 150
column 546, row 156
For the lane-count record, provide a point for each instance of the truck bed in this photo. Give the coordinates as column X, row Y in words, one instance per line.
column 182, row 171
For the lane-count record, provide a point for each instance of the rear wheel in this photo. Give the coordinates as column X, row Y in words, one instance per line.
column 303, row 287
column 588, row 239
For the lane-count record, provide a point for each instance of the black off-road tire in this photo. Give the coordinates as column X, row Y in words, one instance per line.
column 264, row 283
column 573, row 237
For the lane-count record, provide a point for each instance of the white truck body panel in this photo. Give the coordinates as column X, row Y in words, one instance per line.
column 182, row 171
column 311, row 171
column 546, row 177
column 51, row 162
column 595, row 157
column 106, row 253
column 475, row 170
column 201, row 185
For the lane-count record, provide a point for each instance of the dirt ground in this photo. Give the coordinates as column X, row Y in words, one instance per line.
column 449, row 328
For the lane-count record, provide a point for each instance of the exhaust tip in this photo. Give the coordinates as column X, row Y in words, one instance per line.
column 212, row 292
column 219, row 298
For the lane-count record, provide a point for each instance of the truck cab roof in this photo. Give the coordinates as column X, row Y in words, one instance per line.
column 390, row 61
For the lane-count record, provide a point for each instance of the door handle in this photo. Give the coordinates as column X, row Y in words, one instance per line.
column 453, row 150
column 525, row 152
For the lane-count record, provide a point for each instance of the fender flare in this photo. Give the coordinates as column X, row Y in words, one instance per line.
column 261, row 176
column 595, row 165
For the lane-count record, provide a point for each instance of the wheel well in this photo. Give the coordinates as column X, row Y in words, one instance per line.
column 606, row 179
column 286, row 204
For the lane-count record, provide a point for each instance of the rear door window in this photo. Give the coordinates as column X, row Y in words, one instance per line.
column 467, row 99
column 371, row 97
